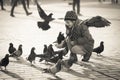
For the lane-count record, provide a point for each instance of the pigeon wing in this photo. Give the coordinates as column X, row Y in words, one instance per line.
column 43, row 25
column 97, row 22
column 41, row 12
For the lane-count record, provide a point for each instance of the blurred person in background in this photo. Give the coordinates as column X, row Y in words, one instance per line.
column 114, row 1
column 24, row 6
column 28, row 3
column 1, row 3
column 101, row 0
column 76, row 3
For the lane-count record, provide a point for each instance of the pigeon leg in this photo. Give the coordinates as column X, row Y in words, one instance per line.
column 45, row 70
column 0, row 67
column 68, row 69
column 31, row 64
column 100, row 55
column 5, row 68
column 46, row 62
column 17, row 58
column 34, row 61
column 40, row 60
column 97, row 54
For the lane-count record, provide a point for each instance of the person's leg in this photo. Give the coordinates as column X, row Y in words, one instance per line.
column 75, row 57
column 78, row 6
column 24, row 6
column 2, row 5
column 116, row 1
column 27, row 4
column 113, row 1
column 11, row 2
column 77, row 49
column 80, row 50
column 12, row 9
column 99, row 0
column 86, row 57
column 73, row 5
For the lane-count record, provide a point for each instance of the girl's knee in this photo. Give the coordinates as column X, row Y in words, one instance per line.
column 77, row 50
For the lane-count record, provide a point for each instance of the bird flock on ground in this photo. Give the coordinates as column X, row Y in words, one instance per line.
column 49, row 55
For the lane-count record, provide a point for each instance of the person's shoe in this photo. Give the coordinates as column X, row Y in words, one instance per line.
column 3, row 9
column 12, row 15
column 85, row 60
column 79, row 14
column 29, row 13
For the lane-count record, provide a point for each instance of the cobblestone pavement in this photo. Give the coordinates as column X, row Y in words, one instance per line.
column 104, row 67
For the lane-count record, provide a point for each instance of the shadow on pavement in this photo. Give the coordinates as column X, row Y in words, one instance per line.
column 73, row 72
column 57, row 78
column 12, row 75
column 24, row 62
column 99, row 68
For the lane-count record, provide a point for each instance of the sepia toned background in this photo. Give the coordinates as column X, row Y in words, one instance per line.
column 23, row 29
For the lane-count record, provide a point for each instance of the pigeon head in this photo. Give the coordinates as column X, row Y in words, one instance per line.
column 60, row 32
column 45, row 45
column 20, row 45
column 7, row 55
column 33, row 48
column 50, row 15
column 101, row 43
column 50, row 45
column 11, row 44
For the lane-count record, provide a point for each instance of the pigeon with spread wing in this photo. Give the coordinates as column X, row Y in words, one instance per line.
column 47, row 18
column 97, row 22
column 43, row 15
